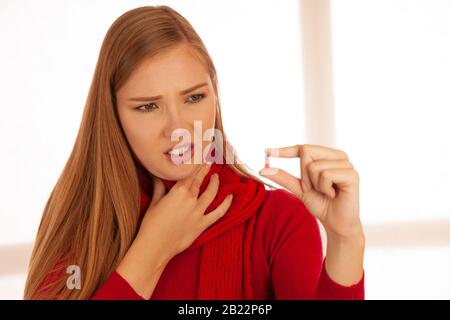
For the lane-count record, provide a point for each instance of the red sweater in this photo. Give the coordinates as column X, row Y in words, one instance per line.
column 286, row 255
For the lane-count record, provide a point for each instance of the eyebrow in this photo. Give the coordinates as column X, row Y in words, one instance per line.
column 159, row 97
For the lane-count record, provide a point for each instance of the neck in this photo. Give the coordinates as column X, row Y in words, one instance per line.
column 215, row 167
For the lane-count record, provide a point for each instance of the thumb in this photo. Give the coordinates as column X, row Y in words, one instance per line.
column 284, row 179
column 159, row 190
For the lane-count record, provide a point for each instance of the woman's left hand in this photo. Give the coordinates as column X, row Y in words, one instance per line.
column 329, row 186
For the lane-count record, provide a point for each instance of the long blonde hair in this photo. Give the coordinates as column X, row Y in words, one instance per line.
column 91, row 217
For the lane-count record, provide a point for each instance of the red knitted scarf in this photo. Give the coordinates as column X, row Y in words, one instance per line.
column 226, row 245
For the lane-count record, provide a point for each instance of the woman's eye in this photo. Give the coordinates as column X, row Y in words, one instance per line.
column 197, row 97
column 146, row 107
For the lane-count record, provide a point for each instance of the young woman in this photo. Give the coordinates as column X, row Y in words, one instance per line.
column 142, row 216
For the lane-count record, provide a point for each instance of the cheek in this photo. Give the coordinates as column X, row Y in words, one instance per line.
column 208, row 116
column 138, row 134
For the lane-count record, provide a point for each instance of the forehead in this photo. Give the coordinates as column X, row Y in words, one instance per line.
column 175, row 69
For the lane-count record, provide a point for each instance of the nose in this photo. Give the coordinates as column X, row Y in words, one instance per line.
column 174, row 121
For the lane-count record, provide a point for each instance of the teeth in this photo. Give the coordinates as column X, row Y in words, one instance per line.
column 179, row 151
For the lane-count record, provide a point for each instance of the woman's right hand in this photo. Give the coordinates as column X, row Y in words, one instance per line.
column 174, row 220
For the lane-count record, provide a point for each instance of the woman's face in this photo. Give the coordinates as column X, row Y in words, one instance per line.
column 154, row 103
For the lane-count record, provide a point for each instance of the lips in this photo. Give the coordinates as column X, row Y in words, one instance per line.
column 179, row 150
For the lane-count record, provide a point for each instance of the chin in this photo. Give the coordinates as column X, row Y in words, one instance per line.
column 173, row 171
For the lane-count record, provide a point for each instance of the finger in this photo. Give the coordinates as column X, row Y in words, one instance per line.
column 314, row 169
column 284, row 152
column 307, row 153
column 295, row 151
column 186, row 182
column 285, row 179
column 342, row 178
column 316, row 152
column 217, row 213
column 198, row 178
column 210, row 193
column 159, row 190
